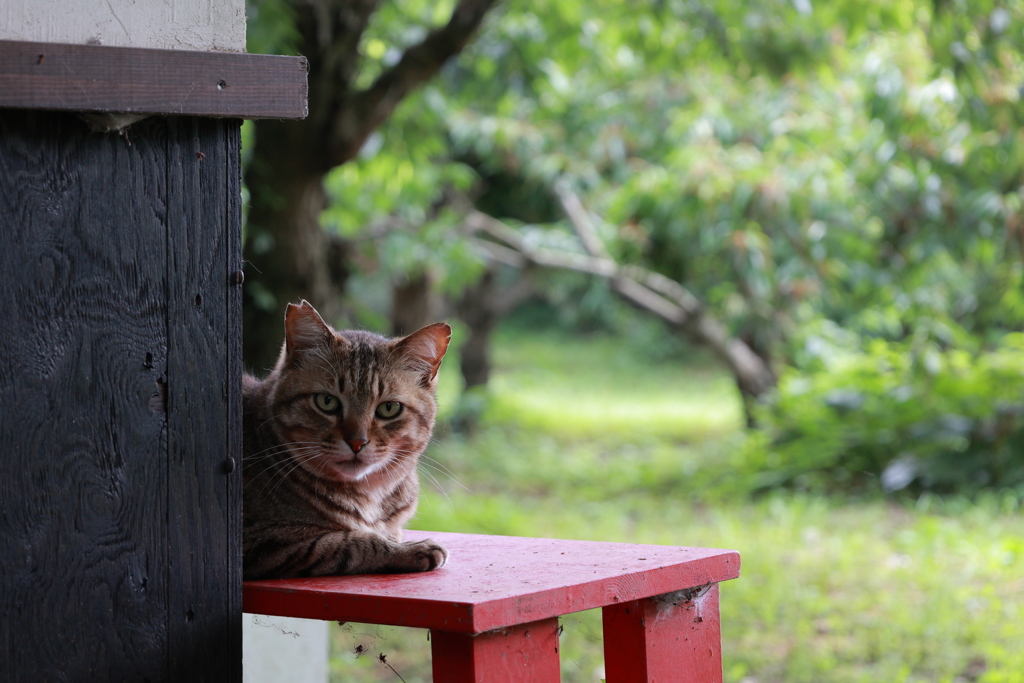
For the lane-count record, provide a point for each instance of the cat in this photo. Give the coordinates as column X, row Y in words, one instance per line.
column 332, row 438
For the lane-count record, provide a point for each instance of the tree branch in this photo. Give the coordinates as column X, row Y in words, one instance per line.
column 360, row 113
column 580, row 220
column 646, row 289
column 585, row 230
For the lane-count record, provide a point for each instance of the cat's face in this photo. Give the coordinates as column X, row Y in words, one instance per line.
column 354, row 406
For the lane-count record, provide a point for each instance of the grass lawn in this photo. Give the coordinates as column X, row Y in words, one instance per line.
column 588, row 438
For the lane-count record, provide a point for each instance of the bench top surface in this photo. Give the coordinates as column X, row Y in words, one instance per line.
column 492, row 582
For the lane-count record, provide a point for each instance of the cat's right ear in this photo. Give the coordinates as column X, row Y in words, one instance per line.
column 303, row 327
column 426, row 348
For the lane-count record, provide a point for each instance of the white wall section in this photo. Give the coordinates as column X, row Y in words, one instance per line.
column 284, row 650
column 167, row 24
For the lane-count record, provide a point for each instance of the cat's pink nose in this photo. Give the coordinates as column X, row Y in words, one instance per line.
column 356, row 444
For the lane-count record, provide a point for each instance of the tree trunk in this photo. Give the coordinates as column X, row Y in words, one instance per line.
column 477, row 310
column 413, row 305
column 289, row 256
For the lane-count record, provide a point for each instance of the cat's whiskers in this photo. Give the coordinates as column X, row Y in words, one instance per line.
column 434, row 441
column 437, row 465
column 401, row 455
column 297, row 462
column 293, row 454
column 435, row 482
column 279, row 471
column 286, row 467
column 434, row 465
column 388, row 469
column 277, row 449
column 267, row 421
column 317, row 481
column 427, row 473
column 275, row 483
column 290, row 450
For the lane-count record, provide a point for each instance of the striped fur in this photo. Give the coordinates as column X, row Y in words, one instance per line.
column 328, row 491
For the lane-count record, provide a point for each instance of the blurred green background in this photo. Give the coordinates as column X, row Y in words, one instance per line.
column 728, row 274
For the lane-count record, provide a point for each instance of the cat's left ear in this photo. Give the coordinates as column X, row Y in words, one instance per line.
column 426, row 346
column 303, row 327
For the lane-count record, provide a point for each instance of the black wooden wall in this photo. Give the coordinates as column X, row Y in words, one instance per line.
column 119, row 400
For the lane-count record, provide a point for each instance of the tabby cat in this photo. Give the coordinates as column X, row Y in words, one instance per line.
column 332, row 438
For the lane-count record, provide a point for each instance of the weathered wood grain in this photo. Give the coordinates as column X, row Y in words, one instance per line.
column 84, row 585
column 200, row 271
column 96, row 78
column 233, row 393
column 117, row 401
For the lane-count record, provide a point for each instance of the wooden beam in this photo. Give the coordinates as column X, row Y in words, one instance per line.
column 94, row 78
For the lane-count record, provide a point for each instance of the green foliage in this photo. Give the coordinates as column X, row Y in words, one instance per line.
column 391, row 205
column 797, row 165
column 916, row 414
column 843, row 166
column 860, row 165
column 270, row 27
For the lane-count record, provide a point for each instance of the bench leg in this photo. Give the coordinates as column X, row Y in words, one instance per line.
column 520, row 654
column 673, row 638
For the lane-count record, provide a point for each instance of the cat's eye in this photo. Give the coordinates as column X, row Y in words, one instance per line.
column 326, row 402
column 388, row 409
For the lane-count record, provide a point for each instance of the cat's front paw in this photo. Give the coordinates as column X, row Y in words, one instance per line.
column 425, row 555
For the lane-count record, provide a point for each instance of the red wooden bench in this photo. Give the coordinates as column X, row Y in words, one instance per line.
column 493, row 609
